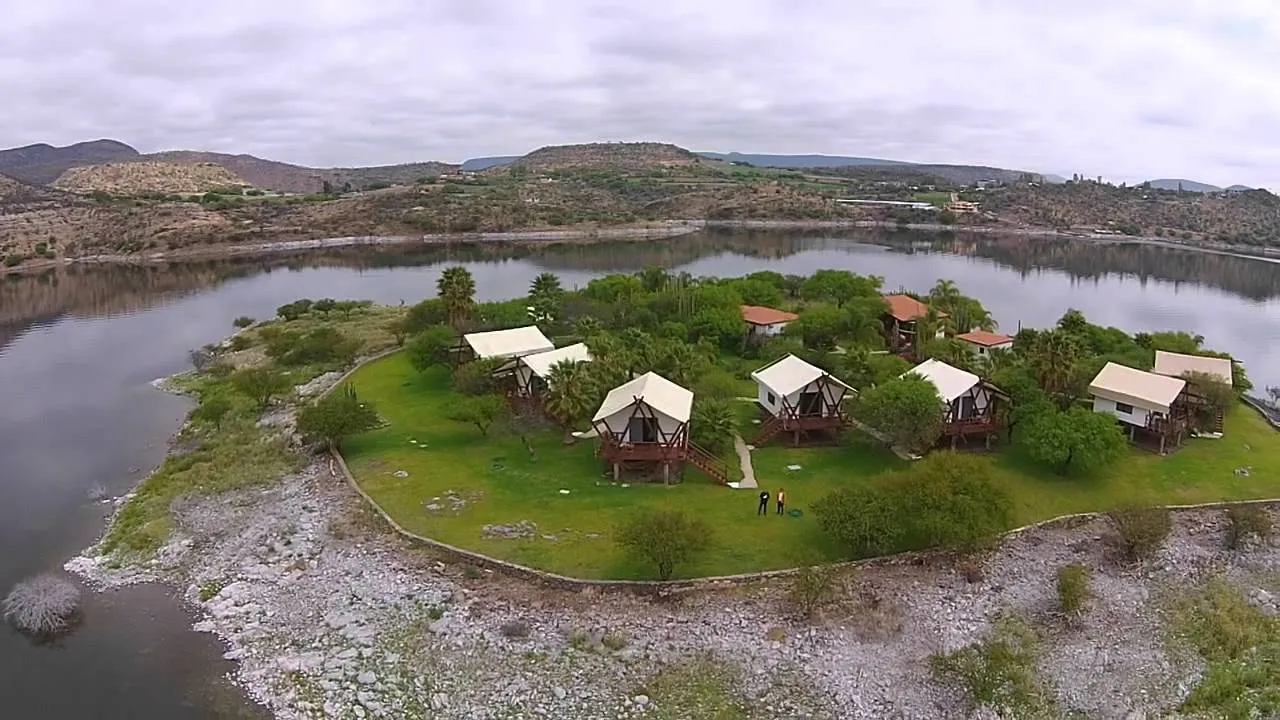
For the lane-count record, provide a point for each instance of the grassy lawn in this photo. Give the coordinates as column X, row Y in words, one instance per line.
column 456, row 457
column 503, row 485
column 935, row 198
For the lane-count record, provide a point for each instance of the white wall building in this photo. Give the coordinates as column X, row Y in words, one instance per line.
column 1134, row 396
column 510, row 343
column 791, row 387
column 532, row 370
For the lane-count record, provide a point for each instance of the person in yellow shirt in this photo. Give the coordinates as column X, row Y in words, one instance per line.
column 782, row 500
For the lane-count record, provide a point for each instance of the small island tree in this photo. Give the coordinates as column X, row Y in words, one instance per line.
column 1074, row 438
column 261, row 384
column 481, row 411
column 907, row 409
column 430, row 347
column 664, row 538
column 338, row 415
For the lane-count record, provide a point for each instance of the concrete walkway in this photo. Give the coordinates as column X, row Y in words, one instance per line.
column 744, row 457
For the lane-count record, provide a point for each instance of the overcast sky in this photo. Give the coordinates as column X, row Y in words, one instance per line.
column 1128, row 89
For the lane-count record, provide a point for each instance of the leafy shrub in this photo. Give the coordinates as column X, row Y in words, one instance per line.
column 476, row 377
column 430, row 347
column 294, row 310
column 1073, row 589
column 664, row 538
column 43, row 605
column 243, row 321
column 811, row 588
column 212, row 409
column 1141, row 531
column 240, row 342
column 260, row 384
column 1247, row 521
column 323, row 345
column 337, row 415
column 713, row 425
column 614, row 641
column 14, row 259
column 1239, row 644
column 998, row 673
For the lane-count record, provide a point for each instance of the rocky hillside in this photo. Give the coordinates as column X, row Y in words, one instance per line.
column 41, row 164
column 287, row 178
column 608, row 156
column 136, row 178
column 1249, row 218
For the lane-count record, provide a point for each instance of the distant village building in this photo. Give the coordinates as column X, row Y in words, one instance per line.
column 910, row 205
column 766, row 322
column 962, row 207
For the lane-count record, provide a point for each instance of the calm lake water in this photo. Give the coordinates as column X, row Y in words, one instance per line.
column 79, row 347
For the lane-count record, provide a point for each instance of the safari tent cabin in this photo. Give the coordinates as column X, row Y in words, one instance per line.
column 765, row 322
column 509, row 343
column 1178, row 365
column 1150, row 406
column 799, row 398
column 644, row 425
column 969, row 405
column 902, row 320
column 982, row 342
column 532, row 370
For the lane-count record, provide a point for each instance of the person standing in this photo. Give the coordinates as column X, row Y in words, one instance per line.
column 782, row 500
column 764, row 503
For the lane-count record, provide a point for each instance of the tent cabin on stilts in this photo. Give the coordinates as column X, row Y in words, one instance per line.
column 501, row 344
column 1152, row 408
column 1187, row 367
column 970, row 405
column 801, row 399
column 532, row 373
column 643, row 425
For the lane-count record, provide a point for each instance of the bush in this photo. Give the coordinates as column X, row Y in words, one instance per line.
column 260, row 384
column 1141, row 531
column 906, row 409
column 866, row 518
column 294, row 310
column 476, row 377
column 243, row 321
column 614, row 641
column 430, row 347
column 14, row 260
column 43, row 605
column 481, row 411
column 664, row 538
column 1073, row 589
column 323, row 345
column 811, row 588
column 998, row 673
column 1247, row 521
column 338, row 415
column 212, row 409
column 240, row 342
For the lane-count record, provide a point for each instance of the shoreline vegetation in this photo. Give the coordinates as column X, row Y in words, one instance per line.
column 656, row 230
column 327, row 611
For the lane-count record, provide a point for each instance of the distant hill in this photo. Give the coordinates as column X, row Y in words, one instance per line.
column 284, row 177
column 133, row 178
column 1187, row 185
column 798, row 162
column 484, row 163
column 41, row 164
column 607, row 156
column 1239, row 188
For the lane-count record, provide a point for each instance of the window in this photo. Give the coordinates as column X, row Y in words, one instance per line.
column 1123, row 408
column 772, row 400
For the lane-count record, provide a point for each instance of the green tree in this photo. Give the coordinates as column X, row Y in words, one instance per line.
column 571, row 392
column 338, row 415
column 954, row 502
column 819, row 328
column 1077, row 437
column 838, row 286
column 213, row 408
column 863, row 323
column 907, row 409
column 260, row 384
column 325, row 306
column 865, row 518
column 399, row 329
column 426, row 314
column 664, row 538
column 713, row 425
column 457, row 291
column 476, row 377
column 1054, row 359
column 546, row 297
column 722, row 326
column 431, row 347
column 482, row 411
column 758, row 291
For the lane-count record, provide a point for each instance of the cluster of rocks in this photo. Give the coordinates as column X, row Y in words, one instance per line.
column 448, row 501
column 517, row 531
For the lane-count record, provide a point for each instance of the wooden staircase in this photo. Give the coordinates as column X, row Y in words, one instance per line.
column 1218, row 422
column 769, row 430
column 712, row 466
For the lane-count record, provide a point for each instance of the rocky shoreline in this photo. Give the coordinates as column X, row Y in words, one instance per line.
column 330, row 615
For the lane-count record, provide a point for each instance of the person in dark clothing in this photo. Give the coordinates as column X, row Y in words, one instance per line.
column 782, row 500
column 764, row 503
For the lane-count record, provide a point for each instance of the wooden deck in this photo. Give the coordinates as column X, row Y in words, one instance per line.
column 982, row 426
column 779, row 424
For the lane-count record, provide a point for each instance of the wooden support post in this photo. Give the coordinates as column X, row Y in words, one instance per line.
column 666, row 473
column 617, row 471
column 1131, row 430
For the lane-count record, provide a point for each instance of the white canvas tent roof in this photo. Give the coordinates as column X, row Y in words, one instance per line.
column 951, row 382
column 540, row 363
column 1136, row 387
column 655, row 391
column 1176, row 365
column 512, row 342
column 789, row 374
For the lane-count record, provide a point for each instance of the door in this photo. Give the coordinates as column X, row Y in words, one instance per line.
column 967, row 407
column 810, row 403
column 643, row 430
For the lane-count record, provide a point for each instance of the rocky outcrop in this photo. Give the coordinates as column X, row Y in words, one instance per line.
column 134, row 178
column 608, row 156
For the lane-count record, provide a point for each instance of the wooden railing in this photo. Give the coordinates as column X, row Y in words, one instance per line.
column 708, row 463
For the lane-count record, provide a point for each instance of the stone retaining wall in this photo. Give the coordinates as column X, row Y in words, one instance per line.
column 1267, row 414
column 339, row 465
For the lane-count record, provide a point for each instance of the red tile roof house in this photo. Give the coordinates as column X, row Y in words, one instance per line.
column 900, row 321
column 766, row 322
column 983, row 341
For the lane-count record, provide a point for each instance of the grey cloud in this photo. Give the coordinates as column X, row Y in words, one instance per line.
column 1128, row 90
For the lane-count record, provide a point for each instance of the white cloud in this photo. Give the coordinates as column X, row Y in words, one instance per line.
column 1127, row 90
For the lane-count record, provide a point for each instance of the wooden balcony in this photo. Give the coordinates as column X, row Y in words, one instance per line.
column 973, row 426
column 615, row 452
column 805, row 423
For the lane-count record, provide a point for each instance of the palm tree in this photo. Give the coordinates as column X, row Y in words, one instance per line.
column 713, row 425
column 587, row 326
column 571, row 392
column 457, row 290
column 545, row 286
column 681, row 362
column 995, row 360
column 926, row 330
column 944, row 294
column 1053, row 360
